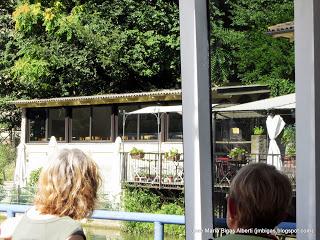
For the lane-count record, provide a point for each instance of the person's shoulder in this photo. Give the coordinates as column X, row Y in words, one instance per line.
column 241, row 237
column 68, row 221
column 8, row 226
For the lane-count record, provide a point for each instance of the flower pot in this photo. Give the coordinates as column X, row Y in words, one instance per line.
column 171, row 179
column 174, row 158
column 137, row 156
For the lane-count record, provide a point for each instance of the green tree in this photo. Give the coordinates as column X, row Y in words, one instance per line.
column 242, row 51
column 7, row 158
column 91, row 47
column 51, row 48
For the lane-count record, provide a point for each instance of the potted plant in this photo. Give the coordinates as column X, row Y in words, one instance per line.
column 237, row 153
column 259, row 143
column 141, row 176
column 173, row 154
column 136, row 153
column 258, row 130
column 289, row 140
column 168, row 178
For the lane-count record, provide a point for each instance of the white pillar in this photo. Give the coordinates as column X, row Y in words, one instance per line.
column 23, row 125
column 196, row 102
column 307, row 50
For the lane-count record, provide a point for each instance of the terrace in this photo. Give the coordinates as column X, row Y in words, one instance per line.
column 157, row 171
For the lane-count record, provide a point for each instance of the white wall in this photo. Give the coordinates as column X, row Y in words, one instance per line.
column 105, row 154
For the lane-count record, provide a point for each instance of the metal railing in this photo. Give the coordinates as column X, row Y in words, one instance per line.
column 154, row 170
column 25, row 196
column 159, row 220
column 9, row 136
column 226, row 168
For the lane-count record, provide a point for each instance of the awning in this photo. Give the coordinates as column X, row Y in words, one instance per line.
column 281, row 102
column 160, row 109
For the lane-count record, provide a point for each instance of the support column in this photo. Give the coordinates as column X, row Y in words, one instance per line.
column 307, row 50
column 23, row 125
column 196, row 102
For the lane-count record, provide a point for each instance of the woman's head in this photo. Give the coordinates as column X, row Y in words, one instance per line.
column 259, row 197
column 68, row 185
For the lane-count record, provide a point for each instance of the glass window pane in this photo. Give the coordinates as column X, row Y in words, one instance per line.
column 37, row 124
column 148, row 127
column 131, row 126
column 81, row 124
column 175, row 126
column 57, row 123
column 101, row 123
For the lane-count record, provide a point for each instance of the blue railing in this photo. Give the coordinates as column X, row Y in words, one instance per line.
column 159, row 220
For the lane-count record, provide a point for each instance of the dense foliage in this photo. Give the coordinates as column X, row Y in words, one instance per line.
column 141, row 200
column 90, row 47
column 51, row 48
column 241, row 49
column 34, row 177
column 7, row 159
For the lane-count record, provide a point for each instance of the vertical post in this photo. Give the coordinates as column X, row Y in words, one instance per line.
column 307, row 65
column 197, row 130
column 10, row 214
column 23, row 125
column 158, row 231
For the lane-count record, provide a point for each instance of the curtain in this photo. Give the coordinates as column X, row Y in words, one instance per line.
column 20, row 176
column 275, row 125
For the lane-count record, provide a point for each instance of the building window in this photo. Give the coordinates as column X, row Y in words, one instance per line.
column 101, row 123
column 81, row 124
column 37, row 124
column 137, row 126
column 85, row 124
column 148, row 127
column 91, row 123
column 131, row 123
column 56, row 123
column 175, row 126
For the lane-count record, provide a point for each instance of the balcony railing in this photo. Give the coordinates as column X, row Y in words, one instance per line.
column 154, row 170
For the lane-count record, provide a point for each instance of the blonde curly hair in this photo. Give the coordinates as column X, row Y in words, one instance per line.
column 68, row 185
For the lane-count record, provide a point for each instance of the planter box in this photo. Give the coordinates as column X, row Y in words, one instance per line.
column 137, row 156
column 241, row 157
column 174, row 158
column 259, row 147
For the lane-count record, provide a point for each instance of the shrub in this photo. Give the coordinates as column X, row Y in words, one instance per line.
column 142, row 200
column 174, row 209
column 289, row 139
column 237, row 152
column 34, row 177
column 2, row 192
column 173, row 154
column 7, row 159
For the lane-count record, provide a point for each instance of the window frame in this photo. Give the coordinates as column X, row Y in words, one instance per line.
column 68, row 124
column 167, row 128
column 112, row 130
column 65, row 127
column 141, row 105
column 28, row 128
